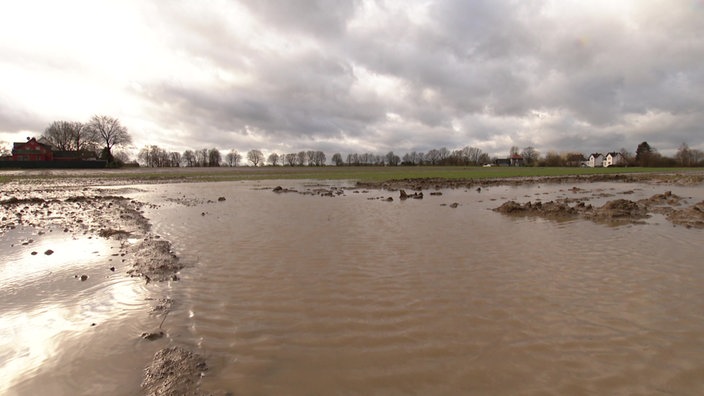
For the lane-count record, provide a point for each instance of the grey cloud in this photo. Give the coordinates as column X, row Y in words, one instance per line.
column 312, row 17
column 13, row 119
column 489, row 64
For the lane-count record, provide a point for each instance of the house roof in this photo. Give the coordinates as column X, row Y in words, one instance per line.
column 46, row 142
column 516, row 156
column 19, row 145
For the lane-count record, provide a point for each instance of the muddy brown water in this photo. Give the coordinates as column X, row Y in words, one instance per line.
column 303, row 295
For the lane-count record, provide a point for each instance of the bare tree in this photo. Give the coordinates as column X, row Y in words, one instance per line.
column 109, row 132
column 337, row 159
column 316, row 158
column 697, row 157
column 145, row 156
column 530, row 155
column 392, row 159
column 290, row 159
column 121, row 156
column 443, row 154
column 189, row 158
column 174, row 159
column 233, row 158
column 552, row 158
column 627, row 156
column 256, row 157
column 433, row 156
column 154, row 156
column 302, row 158
column 483, row 159
column 574, row 159
column 70, row 136
column 60, row 134
column 214, row 157
column 684, row 155
column 274, row 159
column 201, row 157
column 471, row 155
column 352, row 159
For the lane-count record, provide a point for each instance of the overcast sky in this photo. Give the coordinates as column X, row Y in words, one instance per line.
column 360, row 76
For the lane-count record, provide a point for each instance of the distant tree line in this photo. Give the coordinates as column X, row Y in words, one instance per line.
column 645, row 155
column 98, row 138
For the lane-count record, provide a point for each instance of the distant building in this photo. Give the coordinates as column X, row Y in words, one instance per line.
column 613, row 159
column 41, row 154
column 516, row 160
column 32, row 150
column 596, row 160
column 513, row 160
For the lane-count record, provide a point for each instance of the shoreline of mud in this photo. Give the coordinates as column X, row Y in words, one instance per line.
column 679, row 178
column 92, row 213
column 614, row 212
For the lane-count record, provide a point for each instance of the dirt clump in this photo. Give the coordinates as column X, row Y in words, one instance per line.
column 153, row 259
column 619, row 209
column 109, row 232
column 666, row 198
column 416, row 195
column 675, row 178
column 692, row 217
column 551, row 209
column 174, row 371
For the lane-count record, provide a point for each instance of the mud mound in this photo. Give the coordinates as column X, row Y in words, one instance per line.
column 550, row 209
column 620, row 209
column 666, row 198
column 693, row 177
column 692, row 217
column 153, row 260
column 174, row 371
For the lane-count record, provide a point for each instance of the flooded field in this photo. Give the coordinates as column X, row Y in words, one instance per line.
column 303, row 294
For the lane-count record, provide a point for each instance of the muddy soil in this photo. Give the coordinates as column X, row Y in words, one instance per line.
column 676, row 178
column 174, row 371
column 618, row 211
column 96, row 213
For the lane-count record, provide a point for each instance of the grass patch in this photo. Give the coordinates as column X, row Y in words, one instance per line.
column 364, row 173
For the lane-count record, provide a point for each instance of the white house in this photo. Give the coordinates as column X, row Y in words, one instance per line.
column 595, row 160
column 612, row 159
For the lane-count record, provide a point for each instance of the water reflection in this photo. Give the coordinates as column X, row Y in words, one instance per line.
column 51, row 318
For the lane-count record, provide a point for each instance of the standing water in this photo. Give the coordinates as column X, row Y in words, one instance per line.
column 302, row 294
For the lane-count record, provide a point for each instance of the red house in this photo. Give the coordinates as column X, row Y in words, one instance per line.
column 32, row 150
column 34, row 154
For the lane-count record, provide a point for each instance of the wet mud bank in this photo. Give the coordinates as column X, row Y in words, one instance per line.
column 614, row 212
column 688, row 178
column 97, row 213
column 618, row 211
column 174, row 371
